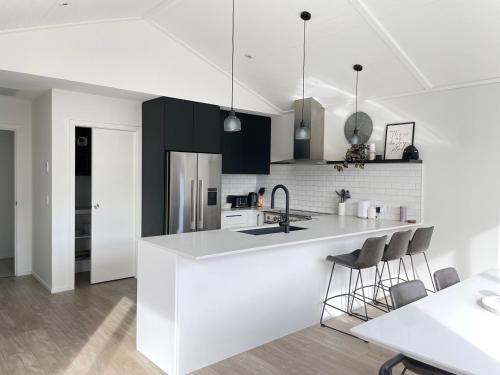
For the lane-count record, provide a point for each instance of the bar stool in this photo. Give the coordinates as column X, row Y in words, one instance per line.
column 394, row 250
column 367, row 257
column 418, row 245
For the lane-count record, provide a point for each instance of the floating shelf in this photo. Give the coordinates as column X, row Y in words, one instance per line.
column 391, row 161
column 81, row 237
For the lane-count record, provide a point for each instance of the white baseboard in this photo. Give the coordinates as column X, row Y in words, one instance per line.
column 41, row 281
column 24, row 273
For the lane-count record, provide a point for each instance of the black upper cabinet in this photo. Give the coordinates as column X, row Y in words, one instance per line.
column 191, row 127
column 207, row 128
column 178, row 124
column 247, row 151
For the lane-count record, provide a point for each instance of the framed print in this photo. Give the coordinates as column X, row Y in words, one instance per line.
column 397, row 138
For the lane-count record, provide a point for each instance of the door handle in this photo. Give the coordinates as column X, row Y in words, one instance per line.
column 96, row 206
column 200, row 204
column 193, row 205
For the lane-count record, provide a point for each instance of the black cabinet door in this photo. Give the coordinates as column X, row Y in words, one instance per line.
column 247, row 151
column 257, row 144
column 153, row 168
column 207, row 128
column 178, row 125
column 232, row 149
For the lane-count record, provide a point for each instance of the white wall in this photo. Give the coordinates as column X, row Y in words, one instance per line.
column 42, row 188
column 7, row 194
column 457, row 135
column 129, row 55
column 69, row 109
column 15, row 114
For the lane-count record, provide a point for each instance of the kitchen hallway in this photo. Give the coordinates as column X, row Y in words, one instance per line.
column 91, row 330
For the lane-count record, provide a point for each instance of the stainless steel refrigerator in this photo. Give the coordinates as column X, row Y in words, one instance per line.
column 193, row 191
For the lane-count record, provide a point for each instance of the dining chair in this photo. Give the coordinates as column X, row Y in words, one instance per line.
column 446, row 277
column 403, row 294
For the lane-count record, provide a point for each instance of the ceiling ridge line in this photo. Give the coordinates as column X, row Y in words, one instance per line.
column 389, row 40
column 69, row 24
column 458, row 86
column 213, row 65
column 161, row 6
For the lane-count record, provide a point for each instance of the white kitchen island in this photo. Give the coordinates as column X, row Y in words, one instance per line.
column 205, row 296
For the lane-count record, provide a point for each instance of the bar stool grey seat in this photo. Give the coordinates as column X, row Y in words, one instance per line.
column 419, row 244
column 445, row 278
column 402, row 295
column 394, row 250
column 367, row 257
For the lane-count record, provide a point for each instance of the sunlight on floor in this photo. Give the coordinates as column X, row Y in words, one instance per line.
column 100, row 349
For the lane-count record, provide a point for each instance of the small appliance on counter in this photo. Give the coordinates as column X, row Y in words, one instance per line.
column 252, row 199
column 238, row 201
column 363, row 209
column 260, row 197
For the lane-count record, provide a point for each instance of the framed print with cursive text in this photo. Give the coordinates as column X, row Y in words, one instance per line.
column 397, row 138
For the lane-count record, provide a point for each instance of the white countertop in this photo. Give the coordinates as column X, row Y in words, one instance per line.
column 215, row 243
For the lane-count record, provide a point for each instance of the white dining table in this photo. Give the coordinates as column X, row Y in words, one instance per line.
column 449, row 329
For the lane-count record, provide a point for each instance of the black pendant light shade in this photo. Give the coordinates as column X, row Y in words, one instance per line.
column 303, row 132
column 356, row 139
column 231, row 122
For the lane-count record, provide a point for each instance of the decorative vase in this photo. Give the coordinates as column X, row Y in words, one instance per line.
column 342, row 209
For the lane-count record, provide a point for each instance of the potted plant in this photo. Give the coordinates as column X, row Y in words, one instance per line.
column 344, row 195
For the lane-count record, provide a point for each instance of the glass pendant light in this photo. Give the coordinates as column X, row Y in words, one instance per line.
column 303, row 132
column 356, row 139
column 231, row 122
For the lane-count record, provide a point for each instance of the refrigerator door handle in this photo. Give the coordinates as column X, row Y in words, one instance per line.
column 193, row 205
column 200, row 204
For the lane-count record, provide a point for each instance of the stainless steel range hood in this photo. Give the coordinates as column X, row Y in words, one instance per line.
column 310, row 151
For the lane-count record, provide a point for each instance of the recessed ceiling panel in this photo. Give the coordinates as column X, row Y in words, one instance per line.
column 271, row 32
column 451, row 41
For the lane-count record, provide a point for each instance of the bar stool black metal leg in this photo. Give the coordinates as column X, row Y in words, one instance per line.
column 353, row 294
column 349, row 291
column 430, row 274
column 326, row 296
column 363, row 291
column 413, row 268
column 404, row 268
column 389, row 270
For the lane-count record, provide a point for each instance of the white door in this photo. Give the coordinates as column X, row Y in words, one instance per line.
column 113, row 211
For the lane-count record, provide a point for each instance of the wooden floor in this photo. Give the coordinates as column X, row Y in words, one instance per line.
column 92, row 331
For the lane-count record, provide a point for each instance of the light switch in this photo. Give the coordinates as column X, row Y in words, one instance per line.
column 47, row 202
column 47, row 167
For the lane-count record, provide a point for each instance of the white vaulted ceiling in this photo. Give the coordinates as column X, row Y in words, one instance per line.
column 405, row 46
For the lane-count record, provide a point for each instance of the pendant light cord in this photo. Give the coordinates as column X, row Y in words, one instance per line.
column 356, row 115
column 303, row 73
column 232, row 62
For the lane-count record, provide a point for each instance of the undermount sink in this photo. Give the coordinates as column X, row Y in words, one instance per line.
column 270, row 230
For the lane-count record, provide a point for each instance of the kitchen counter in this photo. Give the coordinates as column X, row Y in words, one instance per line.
column 216, row 243
column 206, row 296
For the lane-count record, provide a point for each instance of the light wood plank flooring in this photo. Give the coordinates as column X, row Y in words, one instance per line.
column 92, row 331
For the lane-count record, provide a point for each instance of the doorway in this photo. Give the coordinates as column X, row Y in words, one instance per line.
column 7, row 203
column 105, row 212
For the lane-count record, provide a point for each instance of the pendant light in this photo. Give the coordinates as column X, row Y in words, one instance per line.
column 356, row 139
column 303, row 132
column 231, row 122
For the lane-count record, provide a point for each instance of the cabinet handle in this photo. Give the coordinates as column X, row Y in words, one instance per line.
column 234, row 215
column 193, row 205
column 200, row 203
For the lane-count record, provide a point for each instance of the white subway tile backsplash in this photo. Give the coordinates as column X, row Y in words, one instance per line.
column 312, row 187
column 238, row 184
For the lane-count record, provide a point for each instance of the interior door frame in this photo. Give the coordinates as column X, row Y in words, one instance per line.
column 15, row 130
column 137, row 130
